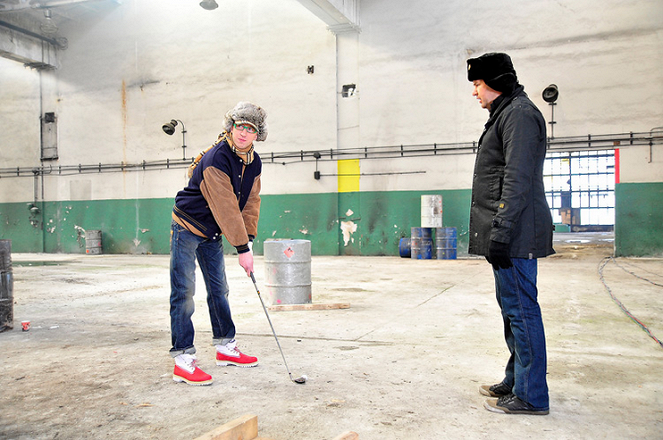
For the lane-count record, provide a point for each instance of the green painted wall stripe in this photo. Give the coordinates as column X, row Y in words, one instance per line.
column 128, row 226
column 381, row 218
column 638, row 219
column 300, row 216
column 142, row 226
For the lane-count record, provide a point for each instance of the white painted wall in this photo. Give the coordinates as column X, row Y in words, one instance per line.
column 130, row 70
column 134, row 67
column 641, row 164
column 604, row 56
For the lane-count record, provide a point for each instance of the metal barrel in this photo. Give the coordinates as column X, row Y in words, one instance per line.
column 93, row 242
column 404, row 247
column 6, row 286
column 446, row 242
column 421, row 243
column 288, row 271
column 431, row 211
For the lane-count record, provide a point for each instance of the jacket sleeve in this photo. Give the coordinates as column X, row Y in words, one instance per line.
column 219, row 194
column 251, row 211
column 521, row 136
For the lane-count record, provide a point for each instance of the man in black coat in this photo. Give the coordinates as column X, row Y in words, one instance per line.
column 511, row 225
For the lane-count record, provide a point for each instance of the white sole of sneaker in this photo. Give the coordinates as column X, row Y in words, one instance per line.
column 189, row 382
column 235, row 364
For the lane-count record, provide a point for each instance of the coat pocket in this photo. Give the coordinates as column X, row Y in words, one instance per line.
column 495, row 185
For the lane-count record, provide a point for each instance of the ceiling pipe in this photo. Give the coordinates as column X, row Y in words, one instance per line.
column 29, row 33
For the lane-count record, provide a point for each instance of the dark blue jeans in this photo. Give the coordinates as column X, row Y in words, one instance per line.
column 523, row 330
column 185, row 248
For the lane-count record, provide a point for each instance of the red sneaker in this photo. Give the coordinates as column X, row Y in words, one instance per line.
column 229, row 354
column 187, row 371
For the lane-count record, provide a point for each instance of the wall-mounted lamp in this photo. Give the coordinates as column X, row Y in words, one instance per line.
column 48, row 27
column 169, row 129
column 550, row 95
column 210, row 5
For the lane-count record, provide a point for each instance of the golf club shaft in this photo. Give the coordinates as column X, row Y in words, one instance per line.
column 270, row 324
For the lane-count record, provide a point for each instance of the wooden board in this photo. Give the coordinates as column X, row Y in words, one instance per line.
column 242, row 428
column 289, row 307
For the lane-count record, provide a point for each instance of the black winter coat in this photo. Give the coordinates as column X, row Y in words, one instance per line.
column 508, row 196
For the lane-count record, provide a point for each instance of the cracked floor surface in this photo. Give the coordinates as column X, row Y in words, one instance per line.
column 403, row 362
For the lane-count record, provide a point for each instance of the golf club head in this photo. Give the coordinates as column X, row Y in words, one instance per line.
column 300, row 380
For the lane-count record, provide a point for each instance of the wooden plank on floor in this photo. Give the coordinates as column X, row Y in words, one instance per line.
column 290, row 307
column 242, row 428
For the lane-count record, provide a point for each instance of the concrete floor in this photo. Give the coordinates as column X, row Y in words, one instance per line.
column 403, row 362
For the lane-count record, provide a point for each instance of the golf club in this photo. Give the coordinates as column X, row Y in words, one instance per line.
column 299, row 380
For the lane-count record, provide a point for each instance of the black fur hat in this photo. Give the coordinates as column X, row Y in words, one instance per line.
column 495, row 69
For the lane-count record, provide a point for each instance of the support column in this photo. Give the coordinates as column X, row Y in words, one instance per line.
column 347, row 89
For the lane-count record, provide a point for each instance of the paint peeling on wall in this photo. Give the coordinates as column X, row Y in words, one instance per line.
column 348, row 228
column 80, row 235
column 51, row 227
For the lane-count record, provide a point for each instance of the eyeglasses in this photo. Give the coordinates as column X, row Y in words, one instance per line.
column 246, row 128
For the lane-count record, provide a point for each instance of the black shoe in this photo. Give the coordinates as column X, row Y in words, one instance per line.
column 497, row 390
column 511, row 404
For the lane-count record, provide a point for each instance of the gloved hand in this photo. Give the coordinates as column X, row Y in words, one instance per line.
column 498, row 255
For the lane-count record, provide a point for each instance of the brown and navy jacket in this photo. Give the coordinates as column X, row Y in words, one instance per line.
column 222, row 197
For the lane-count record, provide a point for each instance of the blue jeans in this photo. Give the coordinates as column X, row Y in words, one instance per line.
column 523, row 330
column 185, row 248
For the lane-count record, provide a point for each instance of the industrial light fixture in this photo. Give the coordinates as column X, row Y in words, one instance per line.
column 550, row 95
column 48, row 27
column 210, row 5
column 169, row 129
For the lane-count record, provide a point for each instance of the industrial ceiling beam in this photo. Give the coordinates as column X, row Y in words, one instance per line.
column 31, row 49
column 339, row 15
column 24, row 4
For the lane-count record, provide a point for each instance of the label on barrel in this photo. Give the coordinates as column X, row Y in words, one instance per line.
column 289, row 252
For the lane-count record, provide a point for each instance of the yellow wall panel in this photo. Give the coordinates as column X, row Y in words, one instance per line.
column 348, row 175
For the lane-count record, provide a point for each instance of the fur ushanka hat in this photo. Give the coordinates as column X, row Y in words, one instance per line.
column 247, row 113
column 495, row 69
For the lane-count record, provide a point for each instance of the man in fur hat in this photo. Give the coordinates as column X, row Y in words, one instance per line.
column 511, row 225
column 221, row 198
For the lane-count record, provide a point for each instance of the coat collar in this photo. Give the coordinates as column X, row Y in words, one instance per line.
column 502, row 101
